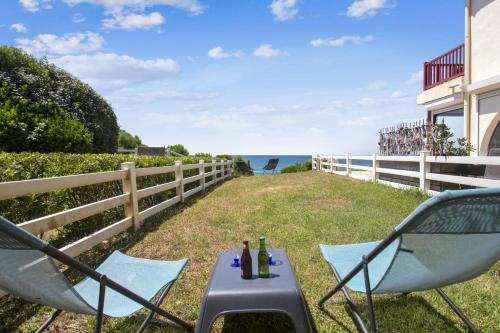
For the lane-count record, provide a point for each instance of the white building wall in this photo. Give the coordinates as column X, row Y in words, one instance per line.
column 485, row 68
column 485, row 39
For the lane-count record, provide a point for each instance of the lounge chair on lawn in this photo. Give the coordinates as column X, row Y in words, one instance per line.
column 120, row 286
column 451, row 238
column 244, row 167
column 271, row 165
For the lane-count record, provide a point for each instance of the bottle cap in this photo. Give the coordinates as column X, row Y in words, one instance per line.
column 262, row 238
column 245, row 242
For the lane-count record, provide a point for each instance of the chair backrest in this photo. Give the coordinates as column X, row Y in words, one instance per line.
column 30, row 274
column 272, row 164
column 450, row 238
column 242, row 166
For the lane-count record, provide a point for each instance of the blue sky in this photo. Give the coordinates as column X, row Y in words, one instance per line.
column 246, row 76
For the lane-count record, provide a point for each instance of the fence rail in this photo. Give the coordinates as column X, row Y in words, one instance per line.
column 420, row 171
column 220, row 170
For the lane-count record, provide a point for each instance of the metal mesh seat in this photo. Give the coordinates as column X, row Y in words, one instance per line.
column 450, row 238
column 128, row 283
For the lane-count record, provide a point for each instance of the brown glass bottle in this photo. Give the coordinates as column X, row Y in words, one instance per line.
column 246, row 262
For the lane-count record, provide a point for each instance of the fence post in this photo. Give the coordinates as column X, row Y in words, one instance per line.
column 348, row 164
column 331, row 163
column 230, row 168
column 202, row 173
column 214, row 171
column 179, row 176
column 223, row 169
column 319, row 162
column 425, row 167
column 129, row 185
column 375, row 166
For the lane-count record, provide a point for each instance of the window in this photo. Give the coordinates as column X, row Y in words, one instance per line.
column 454, row 119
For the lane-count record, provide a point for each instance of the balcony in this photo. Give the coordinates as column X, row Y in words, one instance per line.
column 444, row 68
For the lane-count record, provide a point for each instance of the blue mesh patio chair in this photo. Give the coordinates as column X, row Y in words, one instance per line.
column 271, row 165
column 120, row 286
column 451, row 238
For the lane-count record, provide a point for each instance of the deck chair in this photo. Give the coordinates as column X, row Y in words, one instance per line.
column 450, row 238
column 244, row 167
column 271, row 165
column 120, row 286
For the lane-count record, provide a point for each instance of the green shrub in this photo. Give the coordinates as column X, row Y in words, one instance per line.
column 207, row 157
column 179, row 149
column 127, row 140
column 21, row 166
column 46, row 90
column 40, row 127
column 224, row 157
column 298, row 167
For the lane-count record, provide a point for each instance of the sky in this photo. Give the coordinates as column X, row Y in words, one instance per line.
column 246, row 76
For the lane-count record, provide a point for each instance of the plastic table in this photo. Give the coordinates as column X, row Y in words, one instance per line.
column 228, row 293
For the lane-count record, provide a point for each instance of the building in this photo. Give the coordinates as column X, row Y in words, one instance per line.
column 462, row 87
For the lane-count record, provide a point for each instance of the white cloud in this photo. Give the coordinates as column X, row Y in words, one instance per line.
column 341, row 41
column 399, row 94
column 377, row 85
column 108, row 71
column 118, row 6
column 284, row 9
column 133, row 21
column 363, row 8
column 415, row 78
column 78, row 18
column 219, row 53
column 70, row 43
column 19, row 27
column 34, row 5
column 267, row 51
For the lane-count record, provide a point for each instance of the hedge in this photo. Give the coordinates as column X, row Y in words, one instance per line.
column 21, row 166
column 41, row 83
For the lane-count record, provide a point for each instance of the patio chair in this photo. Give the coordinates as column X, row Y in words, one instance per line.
column 271, row 165
column 451, row 238
column 120, row 286
column 244, row 167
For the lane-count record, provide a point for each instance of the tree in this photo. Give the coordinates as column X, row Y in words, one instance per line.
column 127, row 140
column 444, row 145
column 50, row 91
column 179, row 149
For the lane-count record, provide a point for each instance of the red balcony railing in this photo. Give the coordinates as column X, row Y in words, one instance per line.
column 444, row 68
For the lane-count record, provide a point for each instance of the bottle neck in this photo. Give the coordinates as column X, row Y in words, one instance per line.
column 262, row 246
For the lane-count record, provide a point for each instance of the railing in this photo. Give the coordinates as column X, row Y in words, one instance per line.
column 128, row 175
column 444, row 68
column 421, row 174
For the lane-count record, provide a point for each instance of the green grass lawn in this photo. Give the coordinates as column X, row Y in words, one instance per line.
column 295, row 212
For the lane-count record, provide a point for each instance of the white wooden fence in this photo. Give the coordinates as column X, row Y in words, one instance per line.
column 129, row 199
column 329, row 163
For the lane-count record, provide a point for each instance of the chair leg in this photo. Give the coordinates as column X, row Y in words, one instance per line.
column 49, row 321
column 152, row 313
column 100, row 304
column 358, row 321
column 459, row 313
column 369, row 295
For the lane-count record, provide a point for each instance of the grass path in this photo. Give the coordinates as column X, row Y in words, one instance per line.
column 296, row 212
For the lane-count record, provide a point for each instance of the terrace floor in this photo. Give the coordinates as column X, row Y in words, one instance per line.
column 296, row 212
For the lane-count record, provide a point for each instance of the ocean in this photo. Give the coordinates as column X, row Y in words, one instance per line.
column 257, row 162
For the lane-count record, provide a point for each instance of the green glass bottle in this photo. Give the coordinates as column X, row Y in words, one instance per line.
column 263, row 259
